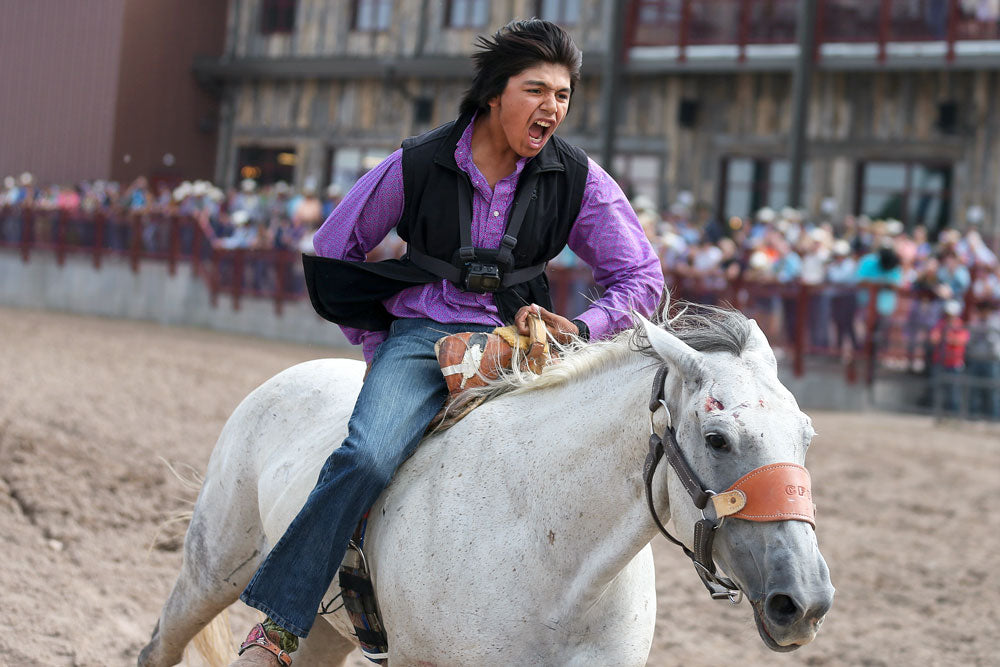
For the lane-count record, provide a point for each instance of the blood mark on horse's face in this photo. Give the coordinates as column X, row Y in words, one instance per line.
column 713, row 404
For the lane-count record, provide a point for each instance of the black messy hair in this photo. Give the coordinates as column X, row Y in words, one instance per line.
column 513, row 49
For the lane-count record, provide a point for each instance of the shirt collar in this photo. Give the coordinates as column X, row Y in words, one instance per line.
column 463, row 152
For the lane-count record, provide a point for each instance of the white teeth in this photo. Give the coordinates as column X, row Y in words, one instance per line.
column 543, row 123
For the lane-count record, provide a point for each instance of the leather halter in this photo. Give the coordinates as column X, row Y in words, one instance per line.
column 773, row 492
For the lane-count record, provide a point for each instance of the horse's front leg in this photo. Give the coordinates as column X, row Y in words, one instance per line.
column 225, row 543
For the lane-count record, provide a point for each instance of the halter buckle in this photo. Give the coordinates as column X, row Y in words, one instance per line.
column 716, row 520
column 652, row 413
column 734, row 596
column 718, row 587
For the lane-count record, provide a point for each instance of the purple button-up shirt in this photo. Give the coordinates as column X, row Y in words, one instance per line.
column 606, row 235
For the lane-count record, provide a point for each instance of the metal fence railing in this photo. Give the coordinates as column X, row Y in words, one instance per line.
column 158, row 237
column 743, row 23
column 806, row 323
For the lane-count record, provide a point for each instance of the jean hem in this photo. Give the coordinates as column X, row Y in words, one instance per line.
column 274, row 616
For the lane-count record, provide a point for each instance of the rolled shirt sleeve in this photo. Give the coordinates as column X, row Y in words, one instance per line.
column 607, row 236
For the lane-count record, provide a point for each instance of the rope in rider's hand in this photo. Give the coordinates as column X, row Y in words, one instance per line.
column 559, row 327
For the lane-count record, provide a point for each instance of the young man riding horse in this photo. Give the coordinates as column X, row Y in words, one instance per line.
column 483, row 203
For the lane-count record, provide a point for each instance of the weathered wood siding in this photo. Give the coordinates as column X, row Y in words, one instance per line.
column 360, row 108
column 853, row 117
column 323, row 28
column 316, row 116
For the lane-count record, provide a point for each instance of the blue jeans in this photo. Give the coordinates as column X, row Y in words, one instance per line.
column 400, row 396
column 946, row 381
column 985, row 398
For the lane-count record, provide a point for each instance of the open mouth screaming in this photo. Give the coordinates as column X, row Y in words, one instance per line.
column 538, row 132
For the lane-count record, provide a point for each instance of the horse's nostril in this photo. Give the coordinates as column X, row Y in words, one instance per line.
column 781, row 609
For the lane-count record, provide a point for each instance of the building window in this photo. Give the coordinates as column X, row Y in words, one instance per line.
column 749, row 184
column 350, row 163
column 661, row 22
column 639, row 175
column 372, row 15
column 563, row 12
column 266, row 165
column 467, row 13
column 915, row 193
column 423, row 110
column 277, row 16
column 658, row 12
column 656, row 22
column 771, row 22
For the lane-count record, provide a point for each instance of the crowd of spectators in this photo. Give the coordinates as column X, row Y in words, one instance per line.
column 947, row 281
column 790, row 246
column 273, row 216
column 941, row 303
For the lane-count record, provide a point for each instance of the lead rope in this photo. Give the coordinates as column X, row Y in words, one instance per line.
column 720, row 588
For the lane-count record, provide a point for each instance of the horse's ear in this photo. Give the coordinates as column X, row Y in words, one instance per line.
column 758, row 344
column 671, row 349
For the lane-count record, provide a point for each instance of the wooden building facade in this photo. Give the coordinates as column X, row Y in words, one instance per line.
column 318, row 91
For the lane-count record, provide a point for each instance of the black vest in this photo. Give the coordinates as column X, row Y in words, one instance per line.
column 351, row 293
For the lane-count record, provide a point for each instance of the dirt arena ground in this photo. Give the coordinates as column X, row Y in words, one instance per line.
column 90, row 408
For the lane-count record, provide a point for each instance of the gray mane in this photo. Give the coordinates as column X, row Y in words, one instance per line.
column 704, row 328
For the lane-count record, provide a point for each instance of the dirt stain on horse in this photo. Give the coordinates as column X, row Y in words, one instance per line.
column 552, row 537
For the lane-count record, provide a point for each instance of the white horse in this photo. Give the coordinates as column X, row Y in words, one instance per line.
column 520, row 535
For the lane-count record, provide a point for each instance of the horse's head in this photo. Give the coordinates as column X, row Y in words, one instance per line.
column 732, row 416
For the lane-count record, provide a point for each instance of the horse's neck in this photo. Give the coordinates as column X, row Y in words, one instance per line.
column 600, row 452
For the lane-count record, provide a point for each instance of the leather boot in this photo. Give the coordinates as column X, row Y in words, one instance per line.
column 261, row 650
column 255, row 656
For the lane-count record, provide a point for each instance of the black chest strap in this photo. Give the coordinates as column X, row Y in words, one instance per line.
column 467, row 252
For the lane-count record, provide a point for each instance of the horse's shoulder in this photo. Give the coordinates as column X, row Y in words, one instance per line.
column 304, row 384
column 318, row 372
column 324, row 366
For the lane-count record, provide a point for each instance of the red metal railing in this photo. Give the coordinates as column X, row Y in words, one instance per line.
column 806, row 321
column 684, row 23
column 169, row 238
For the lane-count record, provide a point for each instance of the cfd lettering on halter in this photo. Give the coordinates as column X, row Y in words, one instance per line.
column 773, row 492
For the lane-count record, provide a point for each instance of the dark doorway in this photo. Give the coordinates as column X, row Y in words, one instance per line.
column 266, row 165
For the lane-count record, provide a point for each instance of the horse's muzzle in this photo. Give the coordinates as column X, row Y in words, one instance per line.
column 787, row 582
column 789, row 616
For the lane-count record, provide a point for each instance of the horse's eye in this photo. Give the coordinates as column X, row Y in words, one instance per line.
column 716, row 442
